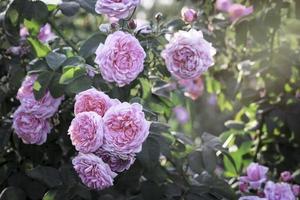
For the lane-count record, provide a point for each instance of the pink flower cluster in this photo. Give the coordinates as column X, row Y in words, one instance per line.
column 108, row 134
column 118, row 9
column 31, row 120
column 256, row 180
column 121, row 58
column 235, row 11
column 188, row 54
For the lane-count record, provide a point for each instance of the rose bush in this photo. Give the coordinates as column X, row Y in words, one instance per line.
column 113, row 99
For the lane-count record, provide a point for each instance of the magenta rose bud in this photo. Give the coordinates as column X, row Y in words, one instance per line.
column 193, row 88
column 29, row 128
column 93, row 100
column 125, row 129
column 46, row 35
column 121, row 58
column 237, row 11
column 256, row 175
column 86, row 132
column 181, row 114
column 119, row 9
column 44, row 108
column 296, row 190
column 223, row 5
column 117, row 162
column 93, row 172
column 286, row 176
column 189, row 15
column 188, row 54
column 279, row 191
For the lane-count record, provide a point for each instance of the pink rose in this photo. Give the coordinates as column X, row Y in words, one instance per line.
column 43, row 108
column 278, row 191
column 237, row 11
column 189, row 15
column 29, row 128
column 193, row 88
column 256, row 175
column 188, row 54
column 296, row 190
column 121, row 58
column 86, row 132
column 252, row 198
column 93, row 172
column 286, row 176
column 119, row 9
column 93, row 100
column 223, row 5
column 117, row 163
column 125, row 128
column 46, row 35
column 181, row 114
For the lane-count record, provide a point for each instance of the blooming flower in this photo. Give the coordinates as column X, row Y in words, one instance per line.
column 188, row 54
column 252, row 198
column 29, row 128
column 181, row 114
column 93, row 100
column 223, row 5
column 237, row 11
column 93, row 172
column 189, row 15
column 278, row 191
column 296, row 190
column 121, row 58
column 43, row 108
column 243, row 186
column 286, row 176
column 117, row 162
column 256, row 175
column 46, row 35
column 193, row 88
column 23, row 32
column 125, row 129
column 86, row 132
column 119, row 9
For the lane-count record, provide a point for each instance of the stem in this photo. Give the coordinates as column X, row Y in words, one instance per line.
column 62, row 36
column 260, row 133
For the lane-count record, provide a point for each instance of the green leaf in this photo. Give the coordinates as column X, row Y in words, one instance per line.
column 12, row 193
column 55, row 60
column 41, row 50
column 150, row 153
column 50, row 195
column 36, row 10
column 69, row 8
column 47, row 175
column 78, row 85
column 90, row 46
column 234, row 125
column 71, row 73
column 88, row 5
column 33, row 26
column 40, row 86
column 56, row 89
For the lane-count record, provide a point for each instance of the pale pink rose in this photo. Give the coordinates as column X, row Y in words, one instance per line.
column 23, row 32
column 296, row 190
column 121, row 58
column 193, row 88
column 93, row 100
column 29, row 128
column 43, row 108
column 119, row 9
column 93, row 172
column 125, row 128
column 181, row 114
column 279, row 191
column 252, row 198
column 189, row 15
column 188, row 55
column 86, row 132
column 286, row 176
column 223, row 5
column 237, row 11
column 117, row 162
column 46, row 35
column 256, row 175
